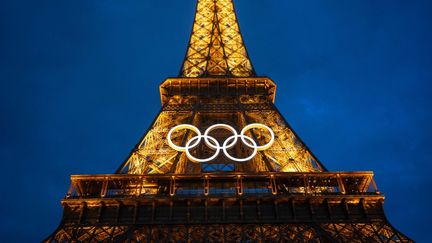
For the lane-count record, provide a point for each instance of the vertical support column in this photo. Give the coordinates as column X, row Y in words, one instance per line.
column 206, row 185
column 364, row 208
column 172, row 188
column 306, row 183
column 239, row 185
column 375, row 187
column 340, row 184
column 276, row 209
column 82, row 211
column 346, row 208
column 293, row 209
column 104, row 187
column 273, row 184
column 329, row 209
column 311, row 209
column 141, row 185
column 78, row 187
column 70, row 190
column 100, row 211
column 363, row 187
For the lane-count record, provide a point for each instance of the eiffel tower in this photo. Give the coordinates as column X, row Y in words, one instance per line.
column 221, row 164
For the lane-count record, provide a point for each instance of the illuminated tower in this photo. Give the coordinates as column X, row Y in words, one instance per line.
column 221, row 164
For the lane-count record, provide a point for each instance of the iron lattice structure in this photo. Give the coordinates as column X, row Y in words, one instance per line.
column 216, row 45
column 282, row 194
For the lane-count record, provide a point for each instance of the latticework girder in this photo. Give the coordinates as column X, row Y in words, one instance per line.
column 366, row 232
column 230, row 207
column 153, row 154
column 216, row 46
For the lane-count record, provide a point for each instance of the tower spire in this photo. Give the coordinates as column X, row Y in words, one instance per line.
column 216, row 45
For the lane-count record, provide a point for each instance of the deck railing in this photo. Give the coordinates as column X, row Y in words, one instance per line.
column 229, row 184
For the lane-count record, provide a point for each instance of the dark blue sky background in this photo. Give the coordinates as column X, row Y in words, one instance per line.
column 79, row 86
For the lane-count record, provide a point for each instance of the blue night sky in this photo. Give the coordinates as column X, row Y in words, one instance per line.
column 79, row 86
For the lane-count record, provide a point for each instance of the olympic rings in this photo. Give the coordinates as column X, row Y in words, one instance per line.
column 183, row 126
column 257, row 125
column 254, row 146
column 213, row 144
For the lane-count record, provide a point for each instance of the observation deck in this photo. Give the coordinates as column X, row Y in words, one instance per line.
column 215, row 198
column 217, row 86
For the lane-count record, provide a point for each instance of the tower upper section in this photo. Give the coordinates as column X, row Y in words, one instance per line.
column 216, row 45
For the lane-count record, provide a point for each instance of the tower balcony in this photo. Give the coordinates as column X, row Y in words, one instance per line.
column 218, row 198
column 222, row 185
column 217, row 86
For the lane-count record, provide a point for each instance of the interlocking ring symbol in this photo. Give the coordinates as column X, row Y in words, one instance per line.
column 213, row 144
